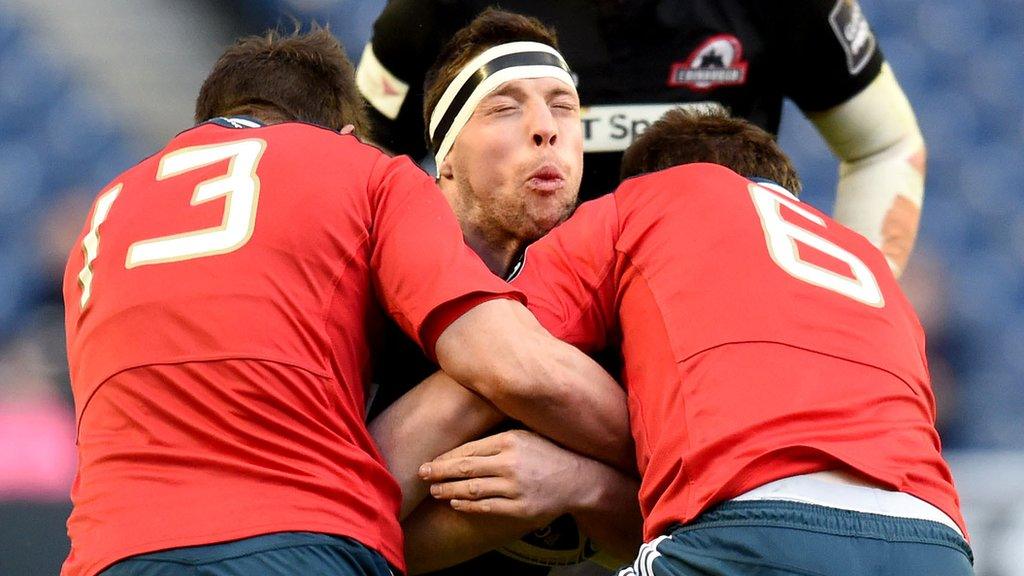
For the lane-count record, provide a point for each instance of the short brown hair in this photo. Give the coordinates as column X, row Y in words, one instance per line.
column 491, row 28
column 683, row 137
column 276, row 77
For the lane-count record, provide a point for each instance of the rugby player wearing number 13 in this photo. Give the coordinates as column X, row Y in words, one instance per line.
column 778, row 389
column 220, row 305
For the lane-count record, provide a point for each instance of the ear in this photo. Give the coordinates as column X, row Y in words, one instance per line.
column 444, row 171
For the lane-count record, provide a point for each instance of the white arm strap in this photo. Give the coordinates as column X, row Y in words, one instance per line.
column 881, row 152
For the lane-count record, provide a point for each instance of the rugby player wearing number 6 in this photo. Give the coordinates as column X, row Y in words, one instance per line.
column 778, row 389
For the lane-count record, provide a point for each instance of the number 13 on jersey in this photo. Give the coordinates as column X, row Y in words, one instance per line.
column 240, row 188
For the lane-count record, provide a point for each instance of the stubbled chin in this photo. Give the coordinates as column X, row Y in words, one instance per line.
column 545, row 220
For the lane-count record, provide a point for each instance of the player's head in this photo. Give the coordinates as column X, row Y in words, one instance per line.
column 281, row 78
column 503, row 119
column 684, row 137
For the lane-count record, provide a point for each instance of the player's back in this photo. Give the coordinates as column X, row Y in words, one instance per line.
column 791, row 347
column 742, row 261
column 760, row 339
column 198, row 243
column 218, row 305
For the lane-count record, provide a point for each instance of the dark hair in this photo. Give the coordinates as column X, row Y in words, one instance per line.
column 683, row 137
column 491, row 28
column 280, row 78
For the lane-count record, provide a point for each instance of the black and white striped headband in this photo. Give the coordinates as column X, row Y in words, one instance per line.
column 481, row 76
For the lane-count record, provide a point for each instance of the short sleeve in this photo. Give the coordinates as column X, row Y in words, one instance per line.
column 424, row 273
column 569, row 280
column 823, row 51
column 407, row 38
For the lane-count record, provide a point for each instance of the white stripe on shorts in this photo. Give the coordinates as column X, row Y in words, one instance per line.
column 644, row 563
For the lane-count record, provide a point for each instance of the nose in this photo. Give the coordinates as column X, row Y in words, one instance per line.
column 544, row 128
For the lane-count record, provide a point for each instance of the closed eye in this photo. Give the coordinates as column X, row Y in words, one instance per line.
column 498, row 106
column 562, row 99
column 565, row 106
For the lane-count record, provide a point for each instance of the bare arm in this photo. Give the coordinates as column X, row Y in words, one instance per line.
column 436, row 536
column 607, row 510
column 499, row 350
column 428, row 420
column 544, row 477
column 530, row 481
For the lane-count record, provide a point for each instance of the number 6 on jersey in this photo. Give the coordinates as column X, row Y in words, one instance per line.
column 782, row 237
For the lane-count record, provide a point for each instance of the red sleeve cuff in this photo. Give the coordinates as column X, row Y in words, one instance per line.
column 442, row 316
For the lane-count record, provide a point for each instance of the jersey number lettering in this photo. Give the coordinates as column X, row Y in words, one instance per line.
column 240, row 188
column 91, row 242
column 782, row 237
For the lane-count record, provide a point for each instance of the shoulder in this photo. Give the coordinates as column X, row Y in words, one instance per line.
column 312, row 139
column 684, row 176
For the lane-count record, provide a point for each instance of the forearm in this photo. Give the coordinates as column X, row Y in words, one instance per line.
column 608, row 510
column 524, row 481
column 882, row 166
column 872, row 199
column 499, row 350
column 432, row 418
column 578, row 405
column 437, row 537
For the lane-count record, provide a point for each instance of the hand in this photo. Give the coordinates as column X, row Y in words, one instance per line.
column 516, row 474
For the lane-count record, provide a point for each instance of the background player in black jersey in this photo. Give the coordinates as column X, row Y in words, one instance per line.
column 505, row 117
column 637, row 58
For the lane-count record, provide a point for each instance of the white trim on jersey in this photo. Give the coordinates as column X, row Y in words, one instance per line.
column 243, row 123
column 382, row 89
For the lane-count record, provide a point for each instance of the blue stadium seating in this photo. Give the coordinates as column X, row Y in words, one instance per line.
column 52, row 138
column 29, row 85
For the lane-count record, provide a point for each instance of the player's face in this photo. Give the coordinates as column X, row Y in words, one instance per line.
column 517, row 163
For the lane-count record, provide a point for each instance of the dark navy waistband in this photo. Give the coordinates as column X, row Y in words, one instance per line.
column 827, row 520
column 209, row 553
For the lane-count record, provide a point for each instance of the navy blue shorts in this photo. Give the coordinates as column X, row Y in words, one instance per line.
column 279, row 554
column 775, row 538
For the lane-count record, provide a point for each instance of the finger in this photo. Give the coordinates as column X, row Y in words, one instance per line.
column 496, row 506
column 457, row 468
column 474, row 489
column 488, row 446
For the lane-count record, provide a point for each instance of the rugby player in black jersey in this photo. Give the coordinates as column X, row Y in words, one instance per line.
column 504, row 117
column 635, row 59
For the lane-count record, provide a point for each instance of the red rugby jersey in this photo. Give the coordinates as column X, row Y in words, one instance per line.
column 219, row 310
column 760, row 339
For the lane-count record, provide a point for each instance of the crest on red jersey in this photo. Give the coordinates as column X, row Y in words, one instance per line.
column 718, row 61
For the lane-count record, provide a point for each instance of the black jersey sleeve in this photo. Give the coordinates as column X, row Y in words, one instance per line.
column 407, row 37
column 824, row 51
